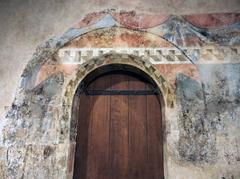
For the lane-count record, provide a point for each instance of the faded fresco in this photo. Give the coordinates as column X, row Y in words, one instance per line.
column 195, row 59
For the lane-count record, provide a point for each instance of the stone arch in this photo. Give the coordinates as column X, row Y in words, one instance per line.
column 68, row 123
column 166, row 88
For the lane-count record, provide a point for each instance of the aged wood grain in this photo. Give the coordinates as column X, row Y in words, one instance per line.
column 119, row 136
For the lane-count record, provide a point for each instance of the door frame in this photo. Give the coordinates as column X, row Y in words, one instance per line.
column 94, row 68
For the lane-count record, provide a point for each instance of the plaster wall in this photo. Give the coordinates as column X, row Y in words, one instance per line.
column 29, row 23
column 196, row 64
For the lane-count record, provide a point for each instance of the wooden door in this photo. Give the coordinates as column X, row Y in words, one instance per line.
column 119, row 135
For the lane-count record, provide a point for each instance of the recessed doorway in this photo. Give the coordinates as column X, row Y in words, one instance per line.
column 119, row 126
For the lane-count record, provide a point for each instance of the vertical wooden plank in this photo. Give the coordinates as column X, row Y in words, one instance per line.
column 99, row 140
column 155, row 138
column 81, row 151
column 119, row 129
column 137, row 132
column 119, row 136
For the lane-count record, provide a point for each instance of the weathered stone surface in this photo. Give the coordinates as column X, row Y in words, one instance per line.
column 209, row 126
column 197, row 135
column 32, row 119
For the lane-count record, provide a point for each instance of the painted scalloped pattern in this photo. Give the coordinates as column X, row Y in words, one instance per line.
column 185, row 30
column 213, row 20
column 139, row 21
column 133, row 20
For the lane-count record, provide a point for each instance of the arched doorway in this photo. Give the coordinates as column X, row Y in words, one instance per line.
column 119, row 130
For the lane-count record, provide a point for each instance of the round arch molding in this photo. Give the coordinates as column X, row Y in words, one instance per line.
column 68, row 123
column 167, row 90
